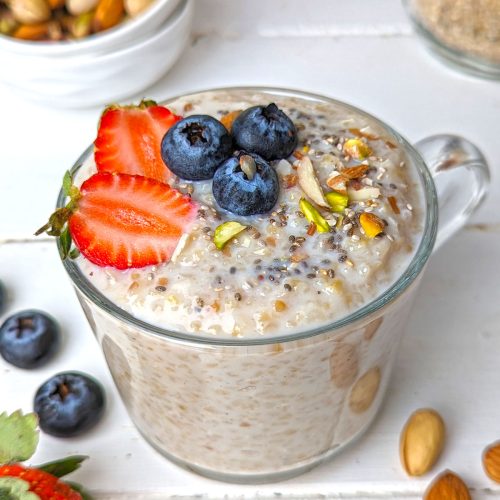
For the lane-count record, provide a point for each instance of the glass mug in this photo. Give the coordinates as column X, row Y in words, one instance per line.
column 264, row 409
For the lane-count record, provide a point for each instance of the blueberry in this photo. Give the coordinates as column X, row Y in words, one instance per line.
column 69, row 404
column 266, row 131
column 3, row 297
column 28, row 339
column 194, row 147
column 246, row 184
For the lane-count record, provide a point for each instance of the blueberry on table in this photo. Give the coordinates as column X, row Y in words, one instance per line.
column 28, row 339
column 68, row 404
column 266, row 131
column 3, row 297
column 194, row 147
column 245, row 184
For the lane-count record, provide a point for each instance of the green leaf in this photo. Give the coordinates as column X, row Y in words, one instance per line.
column 74, row 253
column 67, row 183
column 78, row 487
column 65, row 240
column 60, row 468
column 13, row 488
column 18, row 436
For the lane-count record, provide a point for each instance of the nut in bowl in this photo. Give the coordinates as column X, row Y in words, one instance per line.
column 129, row 57
column 250, row 322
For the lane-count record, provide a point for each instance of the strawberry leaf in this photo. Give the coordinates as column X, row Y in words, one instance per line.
column 18, row 436
column 67, row 183
column 78, row 487
column 63, row 467
column 65, row 240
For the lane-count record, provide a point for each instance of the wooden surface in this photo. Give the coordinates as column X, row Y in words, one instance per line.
column 359, row 51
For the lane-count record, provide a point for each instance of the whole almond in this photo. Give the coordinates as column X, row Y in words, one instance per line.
column 447, row 486
column 491, row 461
column 422, row 441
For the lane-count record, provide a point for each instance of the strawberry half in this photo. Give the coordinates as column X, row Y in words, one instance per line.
column 129, row 140
column 128, row 221
column 43, row 484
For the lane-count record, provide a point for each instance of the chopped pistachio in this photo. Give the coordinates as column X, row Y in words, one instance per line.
column 312, row 215
column 226, row 231
column 337, row 201
column 357, row 149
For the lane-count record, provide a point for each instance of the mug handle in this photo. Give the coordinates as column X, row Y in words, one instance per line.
column 461, row 175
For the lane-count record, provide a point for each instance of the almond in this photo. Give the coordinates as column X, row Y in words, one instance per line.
column 355, row 172
column 372, row 328
column 228, row 119
column 447, row 486
column 32, row 31
column 309, row 182
column 363, row 194
column 422, row 441
column 108, row 14
column 338, row 183
column 491, row 461
column 371, row 224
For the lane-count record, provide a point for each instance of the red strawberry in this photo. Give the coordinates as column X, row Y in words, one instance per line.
column 129, row 140
column 43, row 484
column 128, row 221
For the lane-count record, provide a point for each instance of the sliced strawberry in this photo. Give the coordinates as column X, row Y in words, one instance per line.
column 43, row 484
column 128, row 221
column 129, row 140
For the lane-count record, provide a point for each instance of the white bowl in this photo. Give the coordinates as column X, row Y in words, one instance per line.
column 130, row 29
column 95, row 79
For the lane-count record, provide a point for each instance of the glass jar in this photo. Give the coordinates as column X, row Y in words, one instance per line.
column 466, row 33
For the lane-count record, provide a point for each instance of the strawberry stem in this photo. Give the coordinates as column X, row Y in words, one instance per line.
column 58, row 222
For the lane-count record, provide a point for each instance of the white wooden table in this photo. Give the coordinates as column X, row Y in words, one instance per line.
column 360, row 51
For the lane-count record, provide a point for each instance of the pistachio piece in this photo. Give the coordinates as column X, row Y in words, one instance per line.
column 422, row 441
column 77, row 7
column 309, row 182
column 313, row 216
column 371, row 224
column 357, row 149
column 7, row 23
column 363, row 194
column 337, row 201
column 30, row 11
column 135, row 7
column 82, row 25
column 226, row 231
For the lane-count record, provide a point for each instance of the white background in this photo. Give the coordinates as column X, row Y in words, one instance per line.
column 360, row 51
